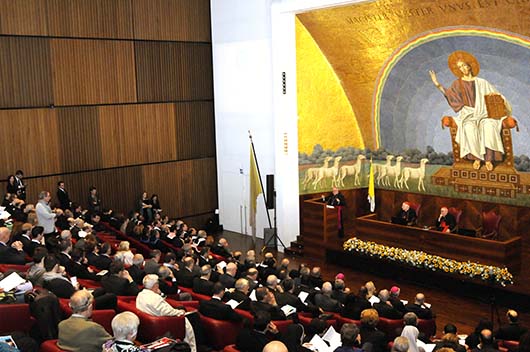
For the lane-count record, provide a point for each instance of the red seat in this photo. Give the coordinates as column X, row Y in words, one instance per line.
column 86, row 283
column 230, row 348
column 390, row 327
column 13, row 267
column 246, row 315
column 427, row 326
column 50, row 346
column 218, row 257
column 220, row 332
column 305, row 319
column 15, row 317
column 511, row 346
column 342, row 320
column 416, row 207
column 490, row 225
column 152, row 327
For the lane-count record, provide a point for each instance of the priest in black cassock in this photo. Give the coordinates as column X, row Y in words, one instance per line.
column 337, row 199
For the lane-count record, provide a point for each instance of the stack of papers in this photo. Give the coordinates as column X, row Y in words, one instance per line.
column 252, row 296
column 288, row 310
column 374, row 299
column 11, row 281
column 233, row 303
column 327, row 343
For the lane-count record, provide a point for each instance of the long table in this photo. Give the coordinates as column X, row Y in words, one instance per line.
column 489, row 252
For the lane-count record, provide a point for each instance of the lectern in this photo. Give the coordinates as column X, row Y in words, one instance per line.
column 320, row 220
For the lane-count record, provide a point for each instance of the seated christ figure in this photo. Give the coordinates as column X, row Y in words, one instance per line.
column 478, row 135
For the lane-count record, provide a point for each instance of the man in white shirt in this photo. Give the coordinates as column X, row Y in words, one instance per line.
column 45, row 215
column 150, row 301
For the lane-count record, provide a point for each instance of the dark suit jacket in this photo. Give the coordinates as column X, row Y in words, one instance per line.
column 421, row 311
column 336, row 200
column 353, row 310
column 222, row 251
column 409, row 216
column 276, row 312
column 386, row 311
column 227, row 280
column 327, row 303
column 203, row 286
column 30, row 248
column 64, row 199
column 119, row 286
column 25, row 242
column 239, row 297
column 9, row 255
column 60, row 287
column 216, row 309
column 251, row 340
column 168, row 288
column 103, row 262
column 136, row 273
column 81, row 271
column 185, row 277
column 375, row 337
column 512, row 332
column 397, row 304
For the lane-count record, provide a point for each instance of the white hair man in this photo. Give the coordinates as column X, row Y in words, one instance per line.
column 124, row 327
column 150, row 301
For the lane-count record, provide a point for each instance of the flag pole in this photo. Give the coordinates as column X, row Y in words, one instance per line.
column 259, row 176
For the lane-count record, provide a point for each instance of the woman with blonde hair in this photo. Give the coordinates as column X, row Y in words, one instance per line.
column 124, row 253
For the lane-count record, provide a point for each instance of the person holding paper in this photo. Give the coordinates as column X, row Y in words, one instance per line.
column 216, row 309
column 267, row 302
column 240, row 294
column 255, row 339
column 323, row 299
column 349, row 337
column 10, row 254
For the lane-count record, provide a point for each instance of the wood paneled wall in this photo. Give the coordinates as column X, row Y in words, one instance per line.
column 117, row 94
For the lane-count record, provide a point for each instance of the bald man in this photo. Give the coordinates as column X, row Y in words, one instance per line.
column 419, row 307
column 513, row 330
column 275, row 346
column 10, row 254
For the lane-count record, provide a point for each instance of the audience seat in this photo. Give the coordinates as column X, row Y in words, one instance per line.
column 427, row 326
column 246, row 315
column 512, row 346
column 15, row 317
column 305, row 319
column 152, row 327
column 13, row 267
column 342, row 320
column 220, row 332
column 102, row 316
column 230, row 348
column 50, row 346
column 89, row 284
column 390, row 327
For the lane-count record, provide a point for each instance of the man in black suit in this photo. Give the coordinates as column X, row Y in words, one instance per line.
column 419, row 308
column 21, row 186
column 228, row 279
column 63, row 197
column 24, row 236
column 170, row 261
column 78, row 268
column 323, row 299
column 252, row 277
column 10, row 254
column 104, row 260
column 215, row 308
column 513, row 331
column 264, row 331
column 446, row 222
column 185, row 275
column 240, row 294
column 267, row 302
column 202, row 284
column 37, row 234
column 288, row 297
column 222, row 249
column 135, row 270
column 119, row 281
column 487, row 343
column 337, row 199
column 384, row 307
column 407, row 214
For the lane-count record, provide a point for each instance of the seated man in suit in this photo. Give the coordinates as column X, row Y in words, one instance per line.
column 406, row 215
column 37, row 234
column 419, row 308
column 202, row 284
column 78, row 333
column 513, row 331
column 254, row 339
column 266, row 302
column 487, row 342
column 394, row 299
column 384, row 307
column 135, row 270
column 446, row 222
column 222, row 249
column 10, row 254
column 240, row 294
column 323, row 299
column 216, row 309
column 151, row 302
column 228, row 279
column 119, row 281
column 185, row 275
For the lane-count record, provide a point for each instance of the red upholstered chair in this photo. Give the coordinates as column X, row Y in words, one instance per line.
column 218, row 257
column 390, row 327
column 490, row 225
column 220, row 332
column 342, row 320
column 511, row 346
column 15, row 317
column 13, row 267
column 427, row 326
column 86, row 283
column 50, row 346
column 246, row 314
column 457, row 213
column 230, row 348
column 152, row 327
column 305, row 319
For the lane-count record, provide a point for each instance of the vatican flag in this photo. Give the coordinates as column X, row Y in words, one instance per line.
column 255, row 189
column 371, row 188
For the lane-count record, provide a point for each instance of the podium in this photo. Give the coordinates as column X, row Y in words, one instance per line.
column 320, row 220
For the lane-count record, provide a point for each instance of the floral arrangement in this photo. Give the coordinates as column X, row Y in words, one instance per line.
column 424, row 260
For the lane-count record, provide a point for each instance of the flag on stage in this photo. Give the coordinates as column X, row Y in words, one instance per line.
column 255, row 189
column 371, row 188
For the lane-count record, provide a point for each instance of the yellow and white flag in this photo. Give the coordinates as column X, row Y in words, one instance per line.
column 371, row 188
column 255, row 189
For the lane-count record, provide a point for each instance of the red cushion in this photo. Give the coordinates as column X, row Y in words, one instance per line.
column 15, row 317
column 104, row 318
column 305, row 319
column 427, row 326
column 50, row 346
column 510, row 345
column 152, row 327
column 342, row 320
column 390, row 327
column 220, row 332
column 230, row 348
column 13, row 267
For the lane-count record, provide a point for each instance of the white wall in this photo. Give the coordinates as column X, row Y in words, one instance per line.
column 253, row 43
